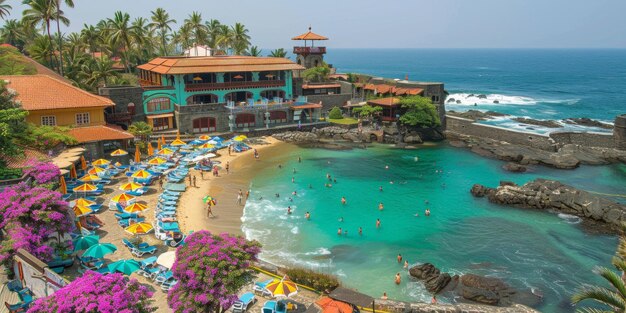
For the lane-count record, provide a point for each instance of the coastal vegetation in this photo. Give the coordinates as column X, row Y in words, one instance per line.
column 210, row 270
column 13, row 63
column 317, row 74
column 12, row 122
column 317, row 281
column 278, row 53
column 367, row 111
column 420, row 112
column 95, row 292
column 335, row 113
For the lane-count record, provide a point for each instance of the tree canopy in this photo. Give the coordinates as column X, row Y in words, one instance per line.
column 419, row 112
column 12, row 121
column 317, row 74
column 367, row 110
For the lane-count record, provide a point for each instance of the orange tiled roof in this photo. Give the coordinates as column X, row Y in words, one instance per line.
column 388, row 102
column 99, row 133
column 306, row 86
column 309, row 36
column 217, row 64
column 307, row 106
column 43, row 92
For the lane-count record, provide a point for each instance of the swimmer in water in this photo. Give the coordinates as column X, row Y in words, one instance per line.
column 399, row 257
column 310, row 186
column 280, row 166
column 360, row 231
column 307, row 215
column 391, row 182
column 340, row 219
column 398, row 278
column 386, row 167
column 345, row 233
column 334, row 180
column 381, row 206
column 293, row 179
column 339, row 231
column 295, row 193
column 406, row 264
column 380, row 188
column 427, row 212
column 416, row 214
column 377, row 223
column 343, row 200
column 289, row 210
column 426, row 202
column 294, row 170
column 277, row 195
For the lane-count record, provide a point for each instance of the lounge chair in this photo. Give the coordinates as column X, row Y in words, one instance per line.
column 148, row 262
column 244, row 303
column 163, row 277
column 126, row 222
column 15, row 285
column 167, row 197
column 132, row 246
column 58, row 262
column 259, row 288
column 140, row 251
column 90, row 263
column 167, row 285
column 17, row 308
column 126, row 215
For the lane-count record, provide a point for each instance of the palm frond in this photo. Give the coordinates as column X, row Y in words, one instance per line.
column 600, row 295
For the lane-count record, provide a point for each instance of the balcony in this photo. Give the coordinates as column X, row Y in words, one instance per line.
column 235, row 85
column 259, row 106
column 309, row 50
column 148, row 85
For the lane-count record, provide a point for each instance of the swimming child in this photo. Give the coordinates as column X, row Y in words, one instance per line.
column 343, row 200
column 339, row 231
column 293, row 179
column 289, row 210
column 294, row 193
column 360, row 231
column 380, row 188
column 427, row 212
column 406, row 264
column 399, row 258
column 307, row 215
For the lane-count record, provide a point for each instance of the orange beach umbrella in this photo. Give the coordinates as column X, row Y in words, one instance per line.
column 85, row 188
column 90, row 178
column 119, row 152
column 135, row 207
column 137, row 155
column 157, row 161
column 282, row 288
column 96, row 170
column 178, row 142
column 163, row 139
column 159, row 144
column 84, row 202
column 141, row 174
column 150, row 149
column 80, row 210
column 206, row 146
column 166, row 151
column 130, row 187
column 204, row 137
column 101, row 162
column 62, row 185
column 123, row 197
column 139, row 228
column 73, row 172
column 83, row 163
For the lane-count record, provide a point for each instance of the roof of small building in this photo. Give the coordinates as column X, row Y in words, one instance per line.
column 44, row 92
column 316, row 86
column 309, row 36
column 99, row 133
column 389, row 102
column 306, row 106
column 217, row 64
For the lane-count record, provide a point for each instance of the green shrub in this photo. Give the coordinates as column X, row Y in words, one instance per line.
column 10, row 173
column 335, row 113
column 317, row 281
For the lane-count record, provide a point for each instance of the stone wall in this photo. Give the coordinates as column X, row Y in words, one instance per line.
column 122, row 96
column 587, row 139
column 619, row 132
column 330, row 101
column 185, row 115
column 468, row 127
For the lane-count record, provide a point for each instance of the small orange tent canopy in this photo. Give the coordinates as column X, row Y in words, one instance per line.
column 329, row 305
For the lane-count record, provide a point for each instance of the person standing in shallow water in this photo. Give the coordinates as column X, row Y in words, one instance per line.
column 399, row 258
column 343, row 200
column 398, row 279
column 377, row 223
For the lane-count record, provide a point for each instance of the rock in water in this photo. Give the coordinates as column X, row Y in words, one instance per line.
column 514, row 167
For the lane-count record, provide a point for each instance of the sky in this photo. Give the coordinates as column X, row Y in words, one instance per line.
column 392, row 23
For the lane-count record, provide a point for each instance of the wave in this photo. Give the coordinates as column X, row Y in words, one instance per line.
column 497, row 99
column 570, row 219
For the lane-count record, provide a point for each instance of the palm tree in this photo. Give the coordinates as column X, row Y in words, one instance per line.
column 615, row 297
column 12, row 33
column 98, row 71
column 142, row 130
column 92, row 38
column 278, row 53
column 240, row 38
column 254, row 51
column 121, row 33
column 161, row 20
column 198, row 29
column 4, row 9
column 40, row 49
column 43, row 12
column 144, row 40
column 183, row 36
column 69, row 3
column 214, row 31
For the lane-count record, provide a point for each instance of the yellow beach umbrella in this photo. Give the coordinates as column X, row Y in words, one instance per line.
column 90, row 177
column 206, row 146
column 62, row 185
column 84, row 202
column 130, row 187
column 204, row 137
column 282, row 288
column 135, row 207
column 139, row 228
column 73, row 172
column 123, row 197
column 119, row 152
column 96, row 170
column 80, row 210
column 240, row 138
column 150, row 149
column 166, row 151
column 157, row 161
column 137, row 155
column 178, row 142
column 141, row 174
column 85, row 188
column 101, row 162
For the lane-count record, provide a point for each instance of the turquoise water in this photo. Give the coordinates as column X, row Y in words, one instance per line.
column 527, row 248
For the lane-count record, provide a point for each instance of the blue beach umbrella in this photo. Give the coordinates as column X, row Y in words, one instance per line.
column 216, row 138
column 125, row 267
column 98, row 251
column 84, row 242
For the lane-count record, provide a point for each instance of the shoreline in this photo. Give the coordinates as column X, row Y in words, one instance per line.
column 224, row 188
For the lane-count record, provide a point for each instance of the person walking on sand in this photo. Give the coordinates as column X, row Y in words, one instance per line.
column 190, row 183
column 202, row 174
column 209, row 210
column 227, row 167
column 194, row 181
column 229, row 149
column 161, row 183
column 239, row 198
column 247, row 194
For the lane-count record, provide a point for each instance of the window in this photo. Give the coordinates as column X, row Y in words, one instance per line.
column 49, row 120
column 161, row 123
column 158, row 104
column 435, row 98
column 82, row 118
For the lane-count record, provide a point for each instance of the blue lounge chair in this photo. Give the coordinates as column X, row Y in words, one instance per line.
column 244, row 303
column 15, row 285
column 140, row 251
column 18, row 307
column 167, row 285
column 126, row 215
column 90, row 263
column 61, row 263
column 163, row 277
column 145, row 263
column 132, row 246
column 126, row 222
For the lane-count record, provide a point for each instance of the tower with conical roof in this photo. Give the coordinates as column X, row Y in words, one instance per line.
column 309, row 56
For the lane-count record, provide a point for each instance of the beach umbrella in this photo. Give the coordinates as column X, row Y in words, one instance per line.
column 217, row 138
column 282, row 288
column 150, row 149
column 157, row 161
column 119, row 152
column 139, row 228
column 163, row 139
column 178, row 134
column 83, row 162
column 209, row 199
column 73, row 172
column 329, row 305
column 99, row 250
column 204, row 137
column 240, row 138
column 137, row 155
column 96, row 171
column 125, row 267
column 135, row 207
column 166, row 151
column 80, row 210
column 206, row 146
column 84, row 202
column 117, row 164
column 238, row 77
column 85, row 188
column 90, row 178
column 122, row 197
column 62, row 185
column 178, row 142
column 141, row 174
column 84, row 242
column 158, row 143
column 167, row 259
column 130, row 186
column 101, row 162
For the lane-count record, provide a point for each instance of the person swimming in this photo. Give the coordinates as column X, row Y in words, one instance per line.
column 310, row 186
column 294, row 170
column 307, row 215
column 406, row 264
column 343, row 200
column 340, row 219
column 380, row 188
column 377, row 223
column 290, row 199
column 381, row 206
column 398, row 279
column 427, row 212
column 334, row 180
column 360, row 231
column 289, row 210
column 399, row 257
column 416, row 214
column 295, row 193
column 277, row 195
column 293, row 179
column 339, row 231
column 386, row 167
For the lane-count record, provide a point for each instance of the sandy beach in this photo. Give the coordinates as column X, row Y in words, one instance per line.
column 224, row 188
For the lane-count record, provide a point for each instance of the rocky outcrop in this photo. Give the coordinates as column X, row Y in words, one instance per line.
column 587, row 122
column 297, row 137
column 556, row 197
column 475, row 288
column 514, row 167
column 543, row 123
column 476, row 115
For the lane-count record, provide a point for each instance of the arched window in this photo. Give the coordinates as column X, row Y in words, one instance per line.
column 158, row 104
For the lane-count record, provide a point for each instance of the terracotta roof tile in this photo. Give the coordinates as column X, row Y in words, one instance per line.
column 216, row 64
column 306, row 86
column 309, row 36
column 306, row 106
column 389, row 102
column 43, row 92
column 99, row 133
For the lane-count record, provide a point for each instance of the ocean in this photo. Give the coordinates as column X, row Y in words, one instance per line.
column 529, row 249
